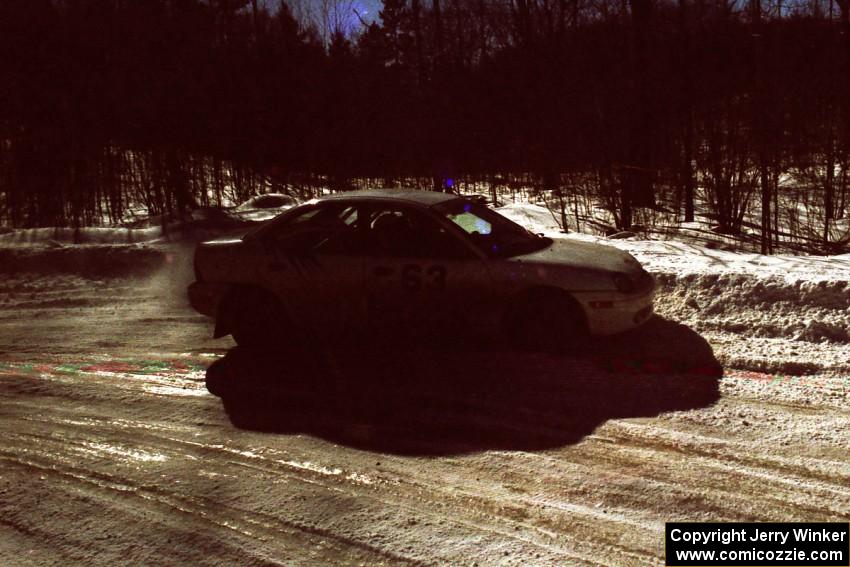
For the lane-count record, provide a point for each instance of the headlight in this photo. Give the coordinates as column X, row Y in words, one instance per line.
column 623, row 283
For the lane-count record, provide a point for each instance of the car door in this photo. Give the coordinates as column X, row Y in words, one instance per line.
column 421, row 279
column 314, row 263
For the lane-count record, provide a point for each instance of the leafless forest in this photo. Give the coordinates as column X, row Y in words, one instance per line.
column 740, row 109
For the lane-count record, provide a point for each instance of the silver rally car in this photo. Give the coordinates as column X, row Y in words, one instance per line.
column 405, row 264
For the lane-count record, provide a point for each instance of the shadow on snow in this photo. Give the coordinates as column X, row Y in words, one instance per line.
column 451, row 400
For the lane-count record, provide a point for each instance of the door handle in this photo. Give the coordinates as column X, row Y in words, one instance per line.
column 382, row 271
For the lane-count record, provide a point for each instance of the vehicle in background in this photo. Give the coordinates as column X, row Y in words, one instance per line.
column 407, row 265
column 265, row 207
column 198, row 224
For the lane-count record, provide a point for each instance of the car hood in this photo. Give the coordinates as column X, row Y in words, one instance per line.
column 588, row 255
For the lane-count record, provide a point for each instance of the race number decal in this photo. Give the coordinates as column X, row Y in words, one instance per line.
column 437, row 277
column 411, row 277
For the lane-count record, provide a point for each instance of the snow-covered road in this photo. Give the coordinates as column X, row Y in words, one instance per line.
column 113, row 450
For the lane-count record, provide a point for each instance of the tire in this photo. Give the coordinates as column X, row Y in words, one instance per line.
column 546, row 321
column 259, row 320
column 217, row 382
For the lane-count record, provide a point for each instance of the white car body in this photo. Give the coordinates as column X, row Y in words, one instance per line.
column 353, row 281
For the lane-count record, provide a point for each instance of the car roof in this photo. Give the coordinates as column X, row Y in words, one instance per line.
column 419, row 197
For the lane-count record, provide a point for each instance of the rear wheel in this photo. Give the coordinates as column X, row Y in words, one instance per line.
column 258, row 319
column 546, row 321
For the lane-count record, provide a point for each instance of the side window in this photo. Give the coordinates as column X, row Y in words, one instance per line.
column 345, row 238
column 328, row 228
column 406, row 233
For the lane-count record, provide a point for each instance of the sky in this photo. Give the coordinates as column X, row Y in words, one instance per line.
column 367, row 9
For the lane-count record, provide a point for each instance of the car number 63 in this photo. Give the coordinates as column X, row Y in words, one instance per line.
column 414, row 278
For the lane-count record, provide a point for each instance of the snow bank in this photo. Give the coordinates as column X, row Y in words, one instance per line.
column 680, row 258
column 91, row 261
column 535, row 218
column 770, row 307
column 59, row 236
column 205, row 224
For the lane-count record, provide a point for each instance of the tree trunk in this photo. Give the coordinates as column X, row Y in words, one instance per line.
column 760, row 118
column 829, row 191
column 687, row 181
column 417, row 38
column 438, row 31
column 637, row 186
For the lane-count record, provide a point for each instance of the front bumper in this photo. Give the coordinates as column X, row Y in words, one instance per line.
column 205, row 297
column 606, row 316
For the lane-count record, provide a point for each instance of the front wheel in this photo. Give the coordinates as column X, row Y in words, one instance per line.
column 546, row 321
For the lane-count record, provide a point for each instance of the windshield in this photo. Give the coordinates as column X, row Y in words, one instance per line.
column 494, row 234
